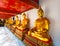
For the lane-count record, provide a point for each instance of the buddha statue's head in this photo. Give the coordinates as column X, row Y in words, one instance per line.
column 25, row 20
column 40, row 12
column 24, row 15
column 16, row 17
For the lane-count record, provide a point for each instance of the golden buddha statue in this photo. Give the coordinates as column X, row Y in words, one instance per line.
column 24, row 22
column 24, row 25
column 10, row 21
column 17, row 21
column 40, row 31
column 6, row 21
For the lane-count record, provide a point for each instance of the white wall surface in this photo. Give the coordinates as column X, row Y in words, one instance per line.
column 52, row 12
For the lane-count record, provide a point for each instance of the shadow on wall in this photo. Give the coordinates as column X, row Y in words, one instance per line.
column 51, row 12
column 51, row 32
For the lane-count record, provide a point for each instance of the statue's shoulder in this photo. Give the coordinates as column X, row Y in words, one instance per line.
column 38, row 19
column 46, row 19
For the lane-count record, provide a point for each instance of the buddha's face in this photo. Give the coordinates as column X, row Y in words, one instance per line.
column 24, row 22
column 38, row 25
column 40, row 13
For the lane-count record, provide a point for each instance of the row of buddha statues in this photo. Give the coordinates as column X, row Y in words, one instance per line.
column 40, row 29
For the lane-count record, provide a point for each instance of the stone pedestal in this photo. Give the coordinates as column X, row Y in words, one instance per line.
column 18, row 33
column 30, row 41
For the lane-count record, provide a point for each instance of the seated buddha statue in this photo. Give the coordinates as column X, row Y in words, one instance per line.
column 6, row 22
column 24, row 22
column 24, row 25
column 16, row 22
column 40, row 31
column 10, row 21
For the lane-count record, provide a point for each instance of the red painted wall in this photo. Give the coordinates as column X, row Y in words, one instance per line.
column 13, row 6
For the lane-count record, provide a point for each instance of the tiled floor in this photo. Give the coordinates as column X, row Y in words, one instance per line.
column 9, row 39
